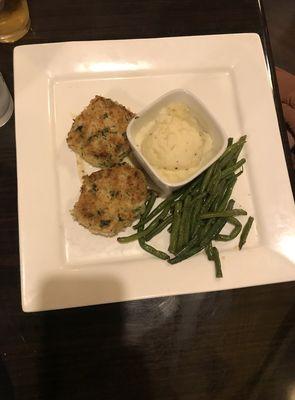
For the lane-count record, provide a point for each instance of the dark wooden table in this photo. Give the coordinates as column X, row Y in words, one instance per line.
column 237, row 344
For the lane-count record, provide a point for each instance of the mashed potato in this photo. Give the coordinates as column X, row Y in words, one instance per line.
column 174, row 143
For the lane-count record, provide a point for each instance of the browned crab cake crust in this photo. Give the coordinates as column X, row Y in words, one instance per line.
column 98, row 134
column 111, row 199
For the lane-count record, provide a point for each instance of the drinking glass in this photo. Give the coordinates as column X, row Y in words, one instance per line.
column 6, row 103
column 14, row 20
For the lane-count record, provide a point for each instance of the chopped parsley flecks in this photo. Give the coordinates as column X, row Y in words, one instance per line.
column 104, row 222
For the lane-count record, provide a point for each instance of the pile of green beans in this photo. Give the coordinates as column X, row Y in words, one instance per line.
column 196, row 213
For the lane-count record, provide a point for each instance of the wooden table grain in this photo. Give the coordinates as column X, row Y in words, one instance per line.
column 233, row 345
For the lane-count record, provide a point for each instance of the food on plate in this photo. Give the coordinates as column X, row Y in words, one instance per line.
column 177, row 146
column 197, row 213
column 98, row 134
column 174, row 143
column 111, row 199
column 245, row 232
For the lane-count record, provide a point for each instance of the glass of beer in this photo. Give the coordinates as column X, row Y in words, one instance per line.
column 14, row 20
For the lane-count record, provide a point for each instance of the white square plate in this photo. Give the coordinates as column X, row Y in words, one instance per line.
column 62, row 264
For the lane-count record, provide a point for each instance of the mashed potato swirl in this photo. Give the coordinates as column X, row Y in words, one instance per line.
column 174, row 143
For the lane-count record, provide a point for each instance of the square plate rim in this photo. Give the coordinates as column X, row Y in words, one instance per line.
column 30, row 307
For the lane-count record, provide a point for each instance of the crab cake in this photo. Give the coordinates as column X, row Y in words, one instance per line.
column 111, row 199
column 98, row 134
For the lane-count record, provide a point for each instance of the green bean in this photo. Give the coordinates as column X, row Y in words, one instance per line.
column 193, row 187
column 150, row 249
column 197, row 212
column 221, row 222
column 213, row 204
column 219, row 197
column 239, row 173
column 197, row 224
column 230, row 152
column 224, row 214
column 216, row 193
column 158, row 228
column 149, row 204
column 149, row 229
column 227, row 194
column 156, row 211
column 218, row 201
column 216, row 259
column 198, row 197
column 208, row 250
column 215, row 168
column 131, row 238
column 245, row 232
column 169, row 201
column 194, row 217
column 183, row 235
column 214, row 181
column 207, row 177
column 202, row 226
column 230, row 204
column 237, row 152
column 183, row 255
column 194, row 245
column 177, row 194
column 190, row 188
column 175, row 227
column 230, row 141
column 233, row 147
column 213, row 230
column 232, row 168
column 214, row 187
column 234, row 233
column 214, row 226
column 192, row 248
column 188, row 221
